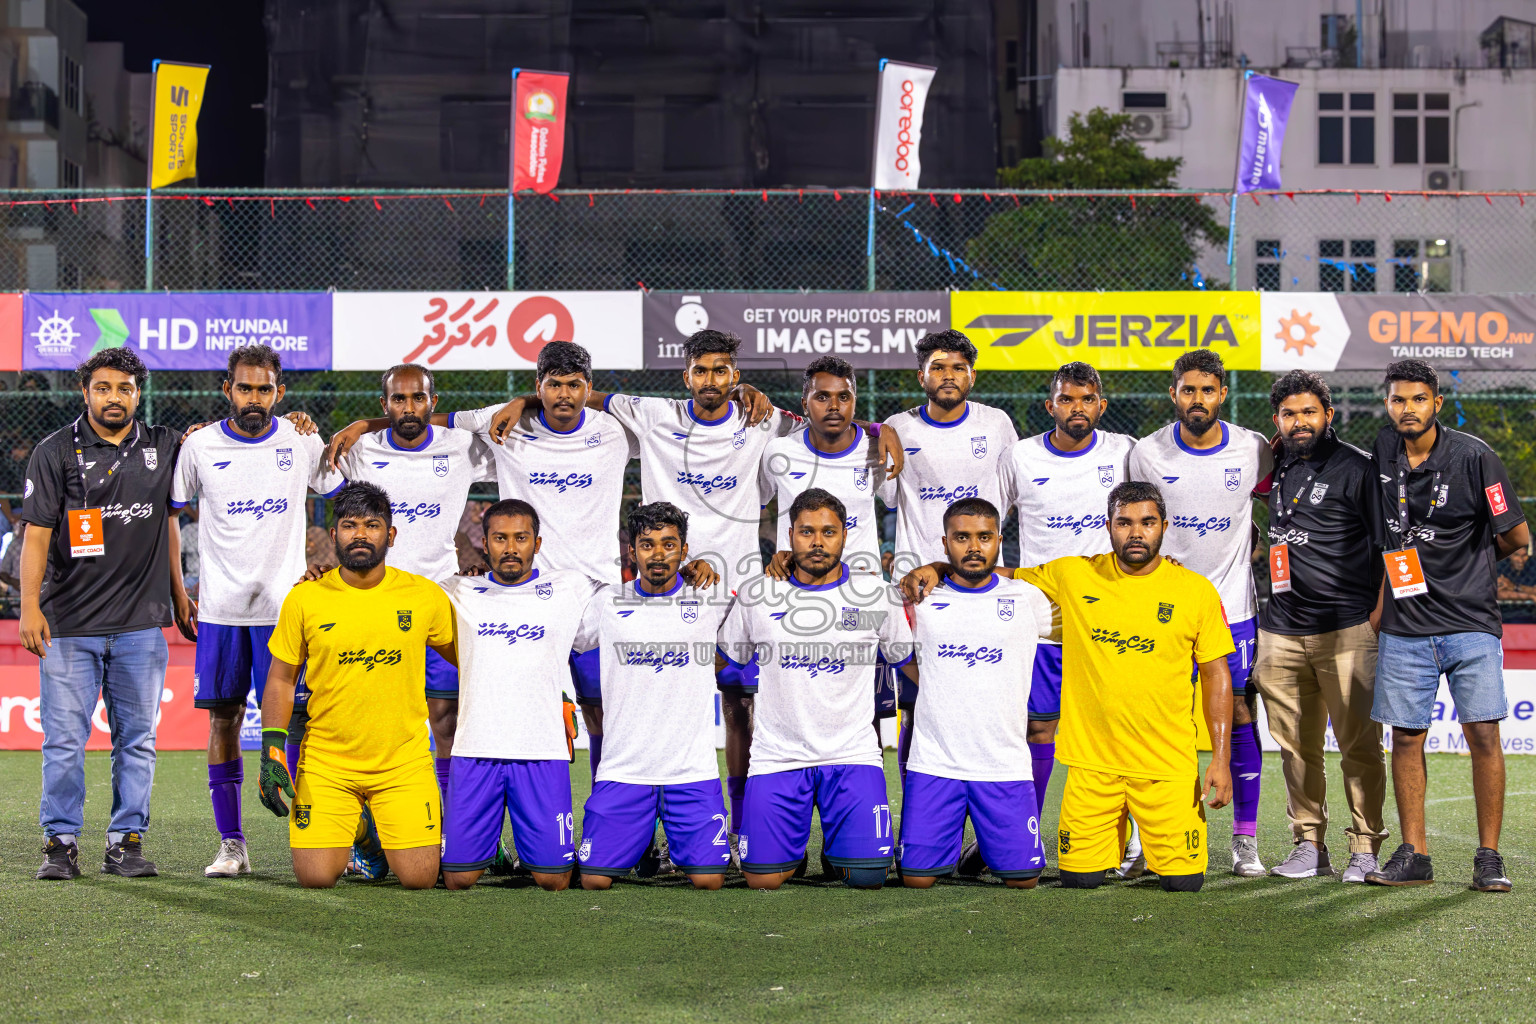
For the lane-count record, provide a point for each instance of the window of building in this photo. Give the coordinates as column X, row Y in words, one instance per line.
column 1266, row 266
column 72, row 176
column 1421, row 124
column 1143, row 101
column 1346, row 137
column 74, row 86
column 1421, row 266
column 1346, row 265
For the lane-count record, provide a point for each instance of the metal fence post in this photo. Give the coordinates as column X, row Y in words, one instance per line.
column 869, row 244
column 511, row 241
column 149, row 240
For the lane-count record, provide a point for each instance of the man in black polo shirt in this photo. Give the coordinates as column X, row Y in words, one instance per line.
column 1317, row 647
column 1449, row 513
column 100, row 577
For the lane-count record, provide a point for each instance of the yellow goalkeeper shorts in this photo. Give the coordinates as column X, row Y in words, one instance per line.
column 405, row 802
column 1093, row 827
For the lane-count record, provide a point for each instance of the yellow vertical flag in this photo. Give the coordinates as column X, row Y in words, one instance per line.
column 178, row 97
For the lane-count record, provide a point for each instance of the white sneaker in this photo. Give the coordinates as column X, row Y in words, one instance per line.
column 1245, row 857
column 1135, row 863
column 1305, row 861
column 1360, row 865
column 232, row 861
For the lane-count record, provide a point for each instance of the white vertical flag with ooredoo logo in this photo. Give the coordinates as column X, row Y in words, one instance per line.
column 899, row 124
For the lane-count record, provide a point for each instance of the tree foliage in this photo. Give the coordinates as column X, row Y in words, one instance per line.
column 1112, row 242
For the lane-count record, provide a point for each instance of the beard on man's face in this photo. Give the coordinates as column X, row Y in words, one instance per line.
column 409, row 427
column 359, row 556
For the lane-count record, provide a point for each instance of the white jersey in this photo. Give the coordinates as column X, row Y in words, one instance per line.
column 976, row 652
column 815, row 649
column 854, row 476
column 428, row 487
column 944, row 463
column 1209, row 493
column 514, row 647
column 656, row 657
column 1062, row 498
column 574, row 480
column 708, row 470
column 251, row 524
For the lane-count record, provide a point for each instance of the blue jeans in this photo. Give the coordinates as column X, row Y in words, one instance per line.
column 1408, row 670
column 127, row 670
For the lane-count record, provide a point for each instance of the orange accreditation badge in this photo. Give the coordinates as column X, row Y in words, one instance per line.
column 1405, row 574
column 85, row 537
column 1280, row 568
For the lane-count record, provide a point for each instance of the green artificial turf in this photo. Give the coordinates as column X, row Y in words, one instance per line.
column 180, row 947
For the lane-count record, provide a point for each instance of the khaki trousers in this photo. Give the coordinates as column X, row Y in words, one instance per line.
column 1305, row 681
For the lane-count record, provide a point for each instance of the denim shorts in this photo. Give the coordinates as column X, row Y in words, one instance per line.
column 1408, row 670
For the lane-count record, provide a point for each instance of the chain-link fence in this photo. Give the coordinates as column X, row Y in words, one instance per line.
column 810, row 239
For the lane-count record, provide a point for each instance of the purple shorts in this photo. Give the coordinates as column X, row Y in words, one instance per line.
column 620, row 817
column 230, row 662
column 855, row 817
column 933, row 813
column 442, row 678
column 535, row 794
column 1045, row 684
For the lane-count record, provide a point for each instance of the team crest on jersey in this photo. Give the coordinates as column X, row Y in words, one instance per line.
column 439, row 465
column 1107, row 476
column 593, row 440
column 151, row 458
column 1318, row 490
column 1234, row 477
column 850, row 618
column 285, row 459
column 1164, row 613
column 544, row 590
column 690, row 608
column 739, row 439
column 861, row 478
column 301, row 816
column 403, row 620
column 1005, row 609
column 979, row 447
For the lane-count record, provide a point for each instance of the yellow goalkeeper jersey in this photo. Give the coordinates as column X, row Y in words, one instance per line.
column 365, row 655
column 1127, row 689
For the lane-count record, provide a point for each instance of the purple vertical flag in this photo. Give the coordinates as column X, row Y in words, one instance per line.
column 1266, row 108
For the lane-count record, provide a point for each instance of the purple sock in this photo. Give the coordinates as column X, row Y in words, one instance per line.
column 904, row 745
column 224, row 787
column 291, row 751
column 441, row 766
column 736, row 788
column 594, row 752
column 1042, row 760
column 1247, row 764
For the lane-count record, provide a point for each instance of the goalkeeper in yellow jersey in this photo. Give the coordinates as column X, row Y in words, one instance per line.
column 1132, row 621
column 362, row 631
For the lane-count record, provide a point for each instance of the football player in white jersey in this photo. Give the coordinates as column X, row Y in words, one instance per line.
column 1209, row 472
column 1057, row 482
column 647, row 657
column 976, row 635
column 427, row 472
column 251, row 473
column 953, row 449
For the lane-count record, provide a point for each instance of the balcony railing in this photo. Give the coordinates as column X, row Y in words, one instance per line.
column 34, row 101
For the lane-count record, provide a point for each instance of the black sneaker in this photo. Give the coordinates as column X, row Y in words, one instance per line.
column 61, row 861
column 126, row 858
column 1404, row 868
column 1487, row 871
column 972, row 864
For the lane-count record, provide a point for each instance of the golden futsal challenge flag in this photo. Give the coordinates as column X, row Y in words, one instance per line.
column 178, row 97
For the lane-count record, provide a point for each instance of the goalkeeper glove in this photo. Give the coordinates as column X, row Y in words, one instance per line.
column 274, row 772
column 568, row 717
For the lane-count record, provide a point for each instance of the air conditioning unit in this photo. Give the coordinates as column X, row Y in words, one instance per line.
column 1149, row 127
column 1441, row 179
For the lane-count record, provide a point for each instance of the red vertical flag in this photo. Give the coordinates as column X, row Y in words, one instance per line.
column 538, row 128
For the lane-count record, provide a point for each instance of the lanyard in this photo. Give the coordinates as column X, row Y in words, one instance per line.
column 85, row 486
column 1404, row 519
column 1279, row 508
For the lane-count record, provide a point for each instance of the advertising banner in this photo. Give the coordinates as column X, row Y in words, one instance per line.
column 175, row 330
column 10, row 331
column 1266, row 108
column 1109, row 330
column 177, row 98
column 538, row 128
column 482, row 330
column 779, row 331
column 180, row 726
column 902, row 93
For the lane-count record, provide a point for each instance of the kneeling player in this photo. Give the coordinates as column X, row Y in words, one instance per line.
column 362, row 632
column 812, row 640
column 649, row 663
column 515, row 627
column 977, row 634
column 1131, row 622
